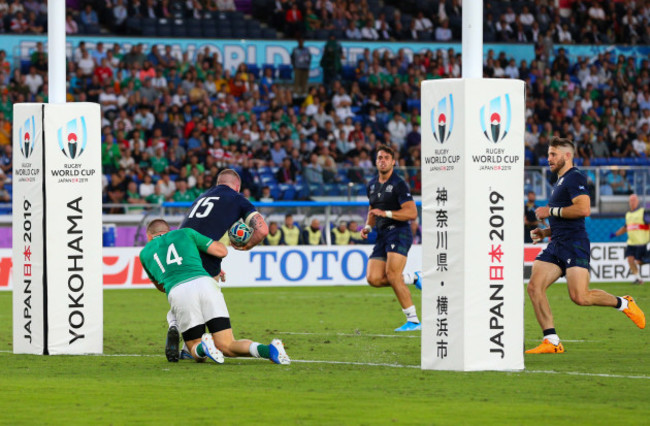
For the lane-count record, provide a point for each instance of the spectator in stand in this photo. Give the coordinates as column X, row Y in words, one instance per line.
column 443, row 32
column 294, row 23
column 166, row 185
column 89, row 18
column 423, row 25
column 182, row 194
column 18, row 23
column 368, row 32
column 286, row 173
column 226, row 5
column 352, row 32
column 33, row 81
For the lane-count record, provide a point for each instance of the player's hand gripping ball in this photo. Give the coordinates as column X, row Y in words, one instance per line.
column 239, row 233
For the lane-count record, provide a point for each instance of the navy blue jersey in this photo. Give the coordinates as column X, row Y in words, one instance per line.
column 389, row 195
column 572, row 184
column 212, row 214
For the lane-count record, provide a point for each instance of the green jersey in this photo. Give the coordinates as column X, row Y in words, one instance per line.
column 173, row 258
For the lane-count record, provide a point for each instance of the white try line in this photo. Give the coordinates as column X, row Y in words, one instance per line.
column 296, row 333
column 392, row 336
column 377, row 364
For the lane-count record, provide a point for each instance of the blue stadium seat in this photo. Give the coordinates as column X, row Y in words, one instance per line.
column 413, row 103
column 194, row 31
column 164, row 28
column 269, row 33
column 178, row 28
column 331, row 189
column 254, row 70
column 315, row 189
column 275, row 192
column 348, row 72
column 134, row 25
column 285, row 72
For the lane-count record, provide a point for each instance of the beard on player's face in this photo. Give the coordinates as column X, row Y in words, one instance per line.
column 558, row 165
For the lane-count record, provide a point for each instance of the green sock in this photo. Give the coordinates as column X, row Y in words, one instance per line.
column 264, row 351
column 199, row 350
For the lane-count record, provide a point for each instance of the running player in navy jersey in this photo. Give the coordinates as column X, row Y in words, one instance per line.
column 212, row 214
column 391, row 209
column 568, row 251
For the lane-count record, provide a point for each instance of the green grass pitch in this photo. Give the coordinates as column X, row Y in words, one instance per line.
column 349, row 368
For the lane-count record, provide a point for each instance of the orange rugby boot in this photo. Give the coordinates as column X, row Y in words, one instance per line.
column 547, row 348
column 633, row 312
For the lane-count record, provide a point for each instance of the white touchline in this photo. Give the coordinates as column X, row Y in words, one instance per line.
column 349, row 334
column 376, row 364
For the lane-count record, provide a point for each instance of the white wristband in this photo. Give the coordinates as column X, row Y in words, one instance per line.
column 389, row 214
column 368, row 228
column 556, row 211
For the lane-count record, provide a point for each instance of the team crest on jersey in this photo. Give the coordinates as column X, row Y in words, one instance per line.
column 559, row 182
column 27, row 136
column 73, row 139
column 499, row 114
column 389, row 188
column 442, row 119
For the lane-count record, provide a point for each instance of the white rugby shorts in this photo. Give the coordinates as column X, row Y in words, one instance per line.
column 196, row 302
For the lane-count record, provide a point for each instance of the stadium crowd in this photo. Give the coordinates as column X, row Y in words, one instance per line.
column 170, row 122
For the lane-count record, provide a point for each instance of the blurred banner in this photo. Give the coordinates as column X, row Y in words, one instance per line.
column 262, row 267
column 122, row 268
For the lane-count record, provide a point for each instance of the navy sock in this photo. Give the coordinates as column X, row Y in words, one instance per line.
column 549, row 331
column 619, row 302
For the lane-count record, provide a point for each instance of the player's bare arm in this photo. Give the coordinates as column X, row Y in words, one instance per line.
column 580, row 208
column 407, row 212
column 260, row 231
column 217, row 249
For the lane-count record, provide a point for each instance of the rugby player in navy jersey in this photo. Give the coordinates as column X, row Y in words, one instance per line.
column 391, row 209
column 567, row 254
column 212, row 214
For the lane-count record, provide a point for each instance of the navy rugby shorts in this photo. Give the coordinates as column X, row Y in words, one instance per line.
column 567, row 253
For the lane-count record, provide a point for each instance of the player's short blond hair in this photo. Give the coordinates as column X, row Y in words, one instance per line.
column 227, row 176
column 157, row 226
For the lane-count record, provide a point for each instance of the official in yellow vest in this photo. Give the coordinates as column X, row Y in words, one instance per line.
column 290, row 231
column 341, row 235
column 637, row 222
column 312, row 235
column 274, row 237
column 355, row 233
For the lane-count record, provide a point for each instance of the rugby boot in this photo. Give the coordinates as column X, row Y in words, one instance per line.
column 633, row 312
column 547, row 348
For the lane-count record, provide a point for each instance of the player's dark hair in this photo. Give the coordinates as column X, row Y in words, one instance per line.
column 563, row 142
column 387, row 149
column 226, row 174
column 156, row 226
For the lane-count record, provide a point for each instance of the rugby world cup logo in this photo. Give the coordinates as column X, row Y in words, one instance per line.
column 442, row 119
column 499, row 114
column 27, row 135
column 73, row 137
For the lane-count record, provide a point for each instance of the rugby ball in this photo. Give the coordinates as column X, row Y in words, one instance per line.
column 239, row 233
